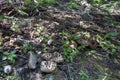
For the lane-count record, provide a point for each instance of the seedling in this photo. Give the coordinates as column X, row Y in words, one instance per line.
column 84, row 75
column 72, row 5
column 10, row 56
column 26, row 47
column 70, row 53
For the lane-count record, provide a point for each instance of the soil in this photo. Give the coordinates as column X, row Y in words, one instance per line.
column 51, row 25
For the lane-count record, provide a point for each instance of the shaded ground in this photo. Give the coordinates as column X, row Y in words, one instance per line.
column 60, row 26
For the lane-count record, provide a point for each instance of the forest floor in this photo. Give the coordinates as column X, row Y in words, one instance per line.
column 61, row 25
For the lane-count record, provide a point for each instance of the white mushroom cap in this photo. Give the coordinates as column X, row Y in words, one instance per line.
column 7, row 69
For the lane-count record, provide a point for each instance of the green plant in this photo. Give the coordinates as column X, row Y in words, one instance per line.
column 84, row 75
column 10, row 56
column 96, row 1
column 15, row 27
column 40, row 2
column 40, row 29
column 72, row 5
column 107, row 45
column 1, row 17
column 1, row 41
column 49, row 1
column 45, row 49
column 12, row 78
column 26, row 47
column 100, row 1
column 70, row 53
column 91, row 52
column 29, row 5
column 112, row 35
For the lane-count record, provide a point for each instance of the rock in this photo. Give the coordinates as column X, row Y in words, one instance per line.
column 49, row 42
column 48, row 66
column 36, row 76
column 7, row 69
column 46, row 56
column 57, row 57
column 32, row 60
column 73, row 45
column 39, row 60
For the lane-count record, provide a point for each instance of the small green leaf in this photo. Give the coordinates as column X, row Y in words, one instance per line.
column 4, row 58
column 77, row 37
column 6, row 53
column 1, row 17
column 72, row 5
column 111, row 34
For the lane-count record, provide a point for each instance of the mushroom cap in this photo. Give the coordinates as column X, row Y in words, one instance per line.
column 46, row 56
column 48, row 66
column 57, row 57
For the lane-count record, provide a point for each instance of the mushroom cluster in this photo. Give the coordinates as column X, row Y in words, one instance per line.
column 50, row 61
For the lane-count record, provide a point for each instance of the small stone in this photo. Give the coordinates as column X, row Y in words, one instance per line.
column 7, row 69
column 49, row 42
column 36, row 76
column 73, row 45
column 46, row 56
column 32, row 61
column 48, row 66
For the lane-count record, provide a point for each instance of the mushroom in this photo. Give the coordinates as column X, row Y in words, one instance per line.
column 46, row 56
column 57, row 57
column 48, row 66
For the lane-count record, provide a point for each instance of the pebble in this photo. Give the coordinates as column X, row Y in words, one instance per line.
column 50, row 42
column 73, row 45
column 7, row 69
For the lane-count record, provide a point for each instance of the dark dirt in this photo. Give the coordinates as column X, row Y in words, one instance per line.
column 96, row 67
